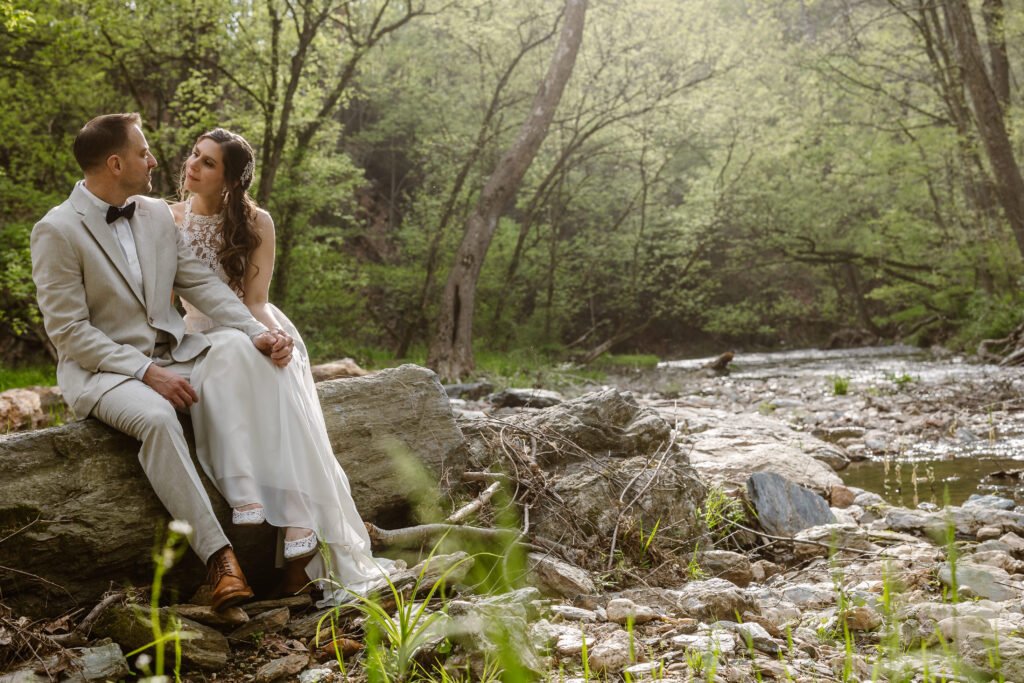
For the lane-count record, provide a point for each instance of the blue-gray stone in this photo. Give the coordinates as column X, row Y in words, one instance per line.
column 783, row 508
column 989, row 501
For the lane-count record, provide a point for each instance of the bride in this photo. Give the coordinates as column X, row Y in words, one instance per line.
column 280, row 471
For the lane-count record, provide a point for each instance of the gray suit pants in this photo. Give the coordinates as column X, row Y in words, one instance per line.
column 134, row 408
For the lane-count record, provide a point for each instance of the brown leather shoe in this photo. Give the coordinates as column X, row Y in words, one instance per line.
column 226, row 580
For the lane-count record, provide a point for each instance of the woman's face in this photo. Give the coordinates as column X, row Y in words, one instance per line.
column 204, row 170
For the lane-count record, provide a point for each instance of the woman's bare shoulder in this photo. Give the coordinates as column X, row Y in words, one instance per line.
column 178, row 211
column 263, row 223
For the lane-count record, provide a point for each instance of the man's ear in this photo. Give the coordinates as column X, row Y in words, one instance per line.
column 114, row 164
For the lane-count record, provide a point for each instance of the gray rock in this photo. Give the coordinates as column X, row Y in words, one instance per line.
column 279, row 668
column 489, row 630
column 985, row 582
column 810, row 596
column 732, row 450
column 314, row 675
column 87, row 476
column 130, row 626
column 270, row 621
column 570, row 613
column 713, row 599
column 84, row 665
column 719, row 642
column 752, row 635
column 725, row 564
column 867, row 499
column 982, row 651
column 555, row 577
column 526, row 398
column 611, row 654
column 830, row 538
column 783, row 508
column 862, row 618
column 990, row 501
column 621, row 610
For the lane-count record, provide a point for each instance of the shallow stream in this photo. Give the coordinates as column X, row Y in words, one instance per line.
column 919, row 426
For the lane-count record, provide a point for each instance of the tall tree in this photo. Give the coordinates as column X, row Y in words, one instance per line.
column 451, row 351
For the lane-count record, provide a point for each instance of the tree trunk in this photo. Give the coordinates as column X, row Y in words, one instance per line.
column 992, row 13
column 989, row 115
column 451, row 351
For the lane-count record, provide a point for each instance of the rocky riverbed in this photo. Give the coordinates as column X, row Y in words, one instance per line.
column 697, row 528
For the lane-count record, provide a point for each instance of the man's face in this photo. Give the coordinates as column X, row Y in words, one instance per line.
column 137, row 164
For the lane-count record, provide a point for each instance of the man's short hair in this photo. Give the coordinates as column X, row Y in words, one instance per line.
column 101, row 137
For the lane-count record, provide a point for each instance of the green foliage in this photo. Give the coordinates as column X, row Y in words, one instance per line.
column 26, row 376
column 660, row 204
column 840, row 385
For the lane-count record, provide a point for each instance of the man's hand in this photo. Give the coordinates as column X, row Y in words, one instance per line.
column 171, row 386
column 276, row 344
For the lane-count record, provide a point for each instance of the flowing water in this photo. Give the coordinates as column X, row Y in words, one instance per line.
column 948, row 427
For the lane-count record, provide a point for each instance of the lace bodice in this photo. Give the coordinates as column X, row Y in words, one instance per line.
column 203, row 236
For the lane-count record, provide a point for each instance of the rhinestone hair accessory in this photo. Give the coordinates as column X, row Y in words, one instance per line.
column 247, row 172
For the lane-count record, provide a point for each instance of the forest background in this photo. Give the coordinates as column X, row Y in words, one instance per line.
column 718, row 173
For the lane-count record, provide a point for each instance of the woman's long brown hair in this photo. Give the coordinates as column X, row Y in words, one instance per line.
column 239, row 229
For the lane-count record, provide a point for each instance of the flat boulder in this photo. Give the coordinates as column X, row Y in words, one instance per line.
column 91, row 516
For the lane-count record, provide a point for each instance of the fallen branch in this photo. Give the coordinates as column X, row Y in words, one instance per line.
column 625, row 506
column 426, row 533
column 79, row 636
column 474, row 505
column 484, row 476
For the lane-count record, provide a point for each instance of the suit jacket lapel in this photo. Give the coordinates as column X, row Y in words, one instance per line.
column 146, row 248
column 96, row 223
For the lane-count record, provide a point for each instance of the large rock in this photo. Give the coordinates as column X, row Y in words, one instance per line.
column 591, row 449
column 131, row 627
column 732, row 449
column 713, row 599
column 88, row 515
column 783, row 508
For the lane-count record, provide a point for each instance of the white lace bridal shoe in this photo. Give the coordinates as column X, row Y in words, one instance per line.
column 251, row 517
column 302, row 547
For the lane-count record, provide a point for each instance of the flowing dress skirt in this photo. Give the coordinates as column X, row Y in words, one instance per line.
column 261, row 438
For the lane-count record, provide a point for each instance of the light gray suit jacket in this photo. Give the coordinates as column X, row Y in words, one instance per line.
column 103, row 326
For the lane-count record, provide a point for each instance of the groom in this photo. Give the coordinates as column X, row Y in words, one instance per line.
column 104, row 269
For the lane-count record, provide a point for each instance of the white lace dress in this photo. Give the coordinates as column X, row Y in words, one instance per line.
column 260, row 436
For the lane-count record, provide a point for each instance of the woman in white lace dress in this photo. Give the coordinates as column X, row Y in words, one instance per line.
column 280, row 471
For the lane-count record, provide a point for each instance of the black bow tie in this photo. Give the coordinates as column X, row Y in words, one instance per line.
column 114, row 212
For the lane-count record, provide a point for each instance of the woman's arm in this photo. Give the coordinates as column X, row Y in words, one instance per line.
column 260, row 269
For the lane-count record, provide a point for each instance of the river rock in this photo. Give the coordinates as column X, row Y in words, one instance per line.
column 270, row 621
column 862, row 618
column 996, row 558
column 130, row 626
column 570, row 613
column 525, row 398
column 20, row 409
column 989, row 501
column 713, row 599
column 1003, row 655
column 718, row 642
column 279, row 668
column 621, row 610
column 205, row 614
column 841, row 497
column 490, row 629
column 95, row 515
column 783, row 508
column 985, row 582
column 95, row 664
column 599, row 444
column 827, row 539
column 1015, row 542
column 751, row 635
column 725, row 564
column 346, row 367
column 556, row 577
column 611, row 654
column 728, row 453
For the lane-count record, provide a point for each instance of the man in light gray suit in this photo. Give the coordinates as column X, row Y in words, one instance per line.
column 105, row 268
